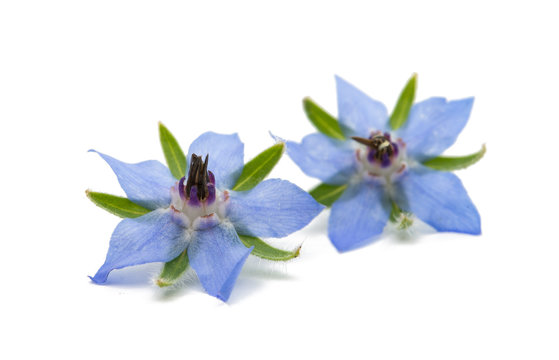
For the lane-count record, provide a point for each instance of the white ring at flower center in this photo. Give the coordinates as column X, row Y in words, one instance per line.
column 194, row 216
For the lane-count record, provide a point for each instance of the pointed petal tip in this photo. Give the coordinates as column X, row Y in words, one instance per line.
column 225, row 292
column 476, row 230
column 98, row 280
column 341, row 248
column 277, row 139
column 339, row 80
column 222, row 297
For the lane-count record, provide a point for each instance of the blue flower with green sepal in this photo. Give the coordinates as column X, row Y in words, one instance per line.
column 377, row 168
column 207, row 213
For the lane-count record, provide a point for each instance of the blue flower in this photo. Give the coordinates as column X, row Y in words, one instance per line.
column 383, row 172
column 199, row 213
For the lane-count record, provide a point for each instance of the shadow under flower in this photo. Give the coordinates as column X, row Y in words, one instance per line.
column 253, row 276
column 412, row 235
column 252, row 281
column 319, row 224
column 255, row 272
column 189, row 282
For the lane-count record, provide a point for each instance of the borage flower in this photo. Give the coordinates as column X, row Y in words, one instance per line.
column 375, row 168
column 198, row 220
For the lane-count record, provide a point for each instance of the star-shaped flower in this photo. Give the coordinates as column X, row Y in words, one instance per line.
column 375, row 167
column 209, row 219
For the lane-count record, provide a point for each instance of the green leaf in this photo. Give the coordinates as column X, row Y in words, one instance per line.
column 173, row 270
column 449, row 163
column 258, row 168
column 402, row 109
column 119, row 206
column 173, row 153
column 326, row 194
column 265, row 251
column 324, row 122
column 402, row 219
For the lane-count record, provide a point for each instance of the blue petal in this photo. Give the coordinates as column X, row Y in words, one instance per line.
column 226, row 159
column 358, row 114
column 273, row 208
column 147, row 183
column 332, row 161
column 153, row 237
column 358, row 216
column 439, row 199
column 217, row 255
column 434, row 125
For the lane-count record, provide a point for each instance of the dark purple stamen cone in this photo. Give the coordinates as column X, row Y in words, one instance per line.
column 198, row 179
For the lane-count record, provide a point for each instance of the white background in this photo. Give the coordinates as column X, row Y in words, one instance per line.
column 77, row 75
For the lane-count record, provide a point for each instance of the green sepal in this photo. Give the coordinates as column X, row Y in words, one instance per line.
column 119, row 206
column 402, row 219
column 324, row 122
column 449, row 163
column 326, row 194
column 176, row 160
column 173, row 270
column 265, row 251
column 403, row 106
column 258, row 168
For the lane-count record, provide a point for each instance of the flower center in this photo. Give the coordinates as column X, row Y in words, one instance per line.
column 381, row 156
column 195, row 198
